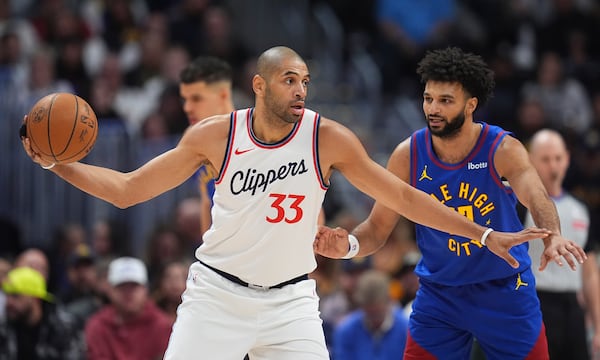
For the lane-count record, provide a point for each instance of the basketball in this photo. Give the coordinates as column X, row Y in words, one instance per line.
column 62, row 128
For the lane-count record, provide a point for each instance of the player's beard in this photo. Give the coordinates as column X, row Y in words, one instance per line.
column 451, row 128
column 282, row 111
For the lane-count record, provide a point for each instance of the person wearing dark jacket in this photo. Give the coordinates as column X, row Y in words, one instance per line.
column 35, row 327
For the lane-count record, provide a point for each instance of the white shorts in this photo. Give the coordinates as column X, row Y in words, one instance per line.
column 219, row 319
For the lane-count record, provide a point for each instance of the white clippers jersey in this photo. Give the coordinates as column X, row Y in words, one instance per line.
column 266, row 204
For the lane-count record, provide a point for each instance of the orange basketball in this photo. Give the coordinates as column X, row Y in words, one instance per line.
column 62, row 128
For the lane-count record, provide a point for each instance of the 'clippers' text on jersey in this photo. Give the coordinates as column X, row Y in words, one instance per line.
column 252, row 179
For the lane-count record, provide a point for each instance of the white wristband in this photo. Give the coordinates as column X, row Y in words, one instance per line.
column 485, row 235
column 48, row 167
column 353, row 247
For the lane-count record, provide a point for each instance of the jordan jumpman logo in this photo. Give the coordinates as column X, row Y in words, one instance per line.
column 520, row 282
column 424, row 174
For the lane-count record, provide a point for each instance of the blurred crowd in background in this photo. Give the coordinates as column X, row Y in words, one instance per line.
column 124, row 57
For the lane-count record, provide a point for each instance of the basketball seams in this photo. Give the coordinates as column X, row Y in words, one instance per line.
column 30, row 127
column 49, row 117
column 92, row 139
column 57, row 156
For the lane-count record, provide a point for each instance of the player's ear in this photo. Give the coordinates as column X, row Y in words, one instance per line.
column 471, row 105
column 258, row 84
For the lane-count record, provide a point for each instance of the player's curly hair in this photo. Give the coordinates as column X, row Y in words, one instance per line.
column 454, row 65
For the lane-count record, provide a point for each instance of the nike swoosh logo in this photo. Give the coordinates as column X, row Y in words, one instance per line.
column 240, row 152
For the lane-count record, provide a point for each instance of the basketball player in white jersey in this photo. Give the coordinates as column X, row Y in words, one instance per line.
column 249, row 292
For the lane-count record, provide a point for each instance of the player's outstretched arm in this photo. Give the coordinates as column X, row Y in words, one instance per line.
column 157, row 176
column 340, row 149
column 512, row 162
column 333, row 243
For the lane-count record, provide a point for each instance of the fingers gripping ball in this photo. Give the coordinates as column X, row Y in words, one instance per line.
column 62, row 128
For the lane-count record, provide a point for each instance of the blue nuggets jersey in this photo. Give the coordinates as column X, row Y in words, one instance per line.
column 474, row 189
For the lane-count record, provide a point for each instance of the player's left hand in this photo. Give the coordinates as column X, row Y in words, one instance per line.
column 331, row 243
column 557, row 248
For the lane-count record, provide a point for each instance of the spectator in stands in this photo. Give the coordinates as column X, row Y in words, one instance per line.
column 187, row 221
column 169, row 106
column 109, row 239
column 220, row 38
column 155, row 129
column 531, row 117
column 82, row 298
column 152, row 46
column 164, row 247
column 185, row 27
column 406, row 29
column 66, row 238
column 102, row 101
column 408, row 281
column 35, row 259
column 565, row 101
column 42, row 78
column 5, row 266
column 70, row 62
column 11, row 236
column 378, row 329
column 36, row 328
column 131, row 327
column 352, row 269
column 170, row 287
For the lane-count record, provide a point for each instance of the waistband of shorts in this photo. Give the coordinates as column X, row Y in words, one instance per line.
column 241, row 282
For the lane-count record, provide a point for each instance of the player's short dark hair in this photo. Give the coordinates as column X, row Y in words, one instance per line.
column 209, row 69
column 454, row 65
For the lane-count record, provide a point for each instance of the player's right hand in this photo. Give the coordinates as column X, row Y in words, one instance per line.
column 501, row 242
column 332, row 243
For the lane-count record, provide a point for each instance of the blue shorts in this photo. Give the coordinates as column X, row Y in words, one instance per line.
column 504, row 315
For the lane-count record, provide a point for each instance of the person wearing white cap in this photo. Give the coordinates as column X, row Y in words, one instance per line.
column 131, row 327
column 127, row 270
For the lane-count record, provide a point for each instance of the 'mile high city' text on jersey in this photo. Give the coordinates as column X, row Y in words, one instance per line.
column 474, row 189
column 266, row 204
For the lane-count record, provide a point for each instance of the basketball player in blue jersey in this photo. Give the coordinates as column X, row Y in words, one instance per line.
column 249, row 291
column 479, row 171
column 205, row 89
